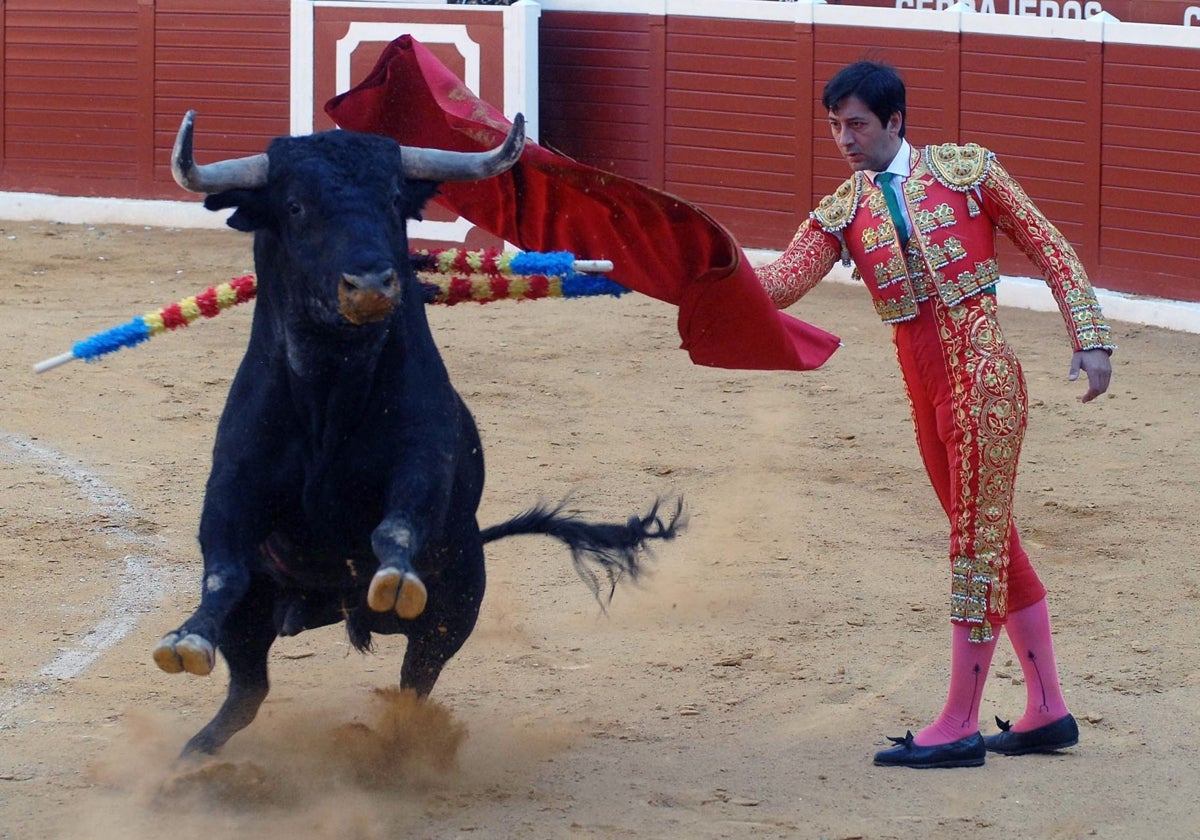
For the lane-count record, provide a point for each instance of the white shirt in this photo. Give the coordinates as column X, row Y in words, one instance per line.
column 899, row 164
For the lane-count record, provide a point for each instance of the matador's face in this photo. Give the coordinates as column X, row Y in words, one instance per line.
column 865, row 142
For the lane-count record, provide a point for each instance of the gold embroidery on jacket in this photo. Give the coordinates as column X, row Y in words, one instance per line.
column 940, row 256
column 968, row 282
column 922, row 284
column 877, row 204
column 923, row 220
column 928, row 220
column 914, row 190
column 835, row 211
column 958, row 167
column 878, row 237
column 892, row 271
column 809, row 257
column 870, row 239
column 955, row 250
column 903, row 308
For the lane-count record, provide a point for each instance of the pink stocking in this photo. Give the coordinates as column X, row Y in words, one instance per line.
column 1029, row 630
column 969, row 663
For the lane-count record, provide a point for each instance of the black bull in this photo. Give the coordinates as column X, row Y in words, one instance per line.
column 347, row 471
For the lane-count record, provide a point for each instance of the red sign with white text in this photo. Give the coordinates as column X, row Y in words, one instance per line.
column 1172, row 12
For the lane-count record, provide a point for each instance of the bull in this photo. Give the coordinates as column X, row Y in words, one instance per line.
column 346, row 470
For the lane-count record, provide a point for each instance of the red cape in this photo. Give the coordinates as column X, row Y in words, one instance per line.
column 660, row 245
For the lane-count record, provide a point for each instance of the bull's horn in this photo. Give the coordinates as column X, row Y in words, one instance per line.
column 237, row 173
column 439, row 165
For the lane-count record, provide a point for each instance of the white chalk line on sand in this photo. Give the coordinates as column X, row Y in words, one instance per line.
column 142, row 584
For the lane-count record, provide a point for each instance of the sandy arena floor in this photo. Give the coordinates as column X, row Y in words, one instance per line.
column 739, row 692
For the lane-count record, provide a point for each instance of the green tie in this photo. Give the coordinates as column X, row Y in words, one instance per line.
column 884, row 181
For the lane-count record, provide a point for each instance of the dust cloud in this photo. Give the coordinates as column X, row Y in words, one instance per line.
column 370, row 768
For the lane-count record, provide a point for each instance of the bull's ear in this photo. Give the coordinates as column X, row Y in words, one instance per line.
column 251, row 209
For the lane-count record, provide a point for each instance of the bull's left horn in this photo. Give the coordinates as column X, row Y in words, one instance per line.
column 237, row 173
column 439, row 165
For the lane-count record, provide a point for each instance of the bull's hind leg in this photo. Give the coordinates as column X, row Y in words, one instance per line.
column 246, row 639
column 443, row 630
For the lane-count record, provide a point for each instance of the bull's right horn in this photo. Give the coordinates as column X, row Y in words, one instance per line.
column 440, row 165
column 236, row 173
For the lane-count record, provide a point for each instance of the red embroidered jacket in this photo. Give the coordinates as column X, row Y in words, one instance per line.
column 956, row 198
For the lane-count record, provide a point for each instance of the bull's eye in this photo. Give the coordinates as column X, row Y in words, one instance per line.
column 295, row 209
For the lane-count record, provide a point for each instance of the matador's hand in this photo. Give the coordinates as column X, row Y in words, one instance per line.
column 1098, row 368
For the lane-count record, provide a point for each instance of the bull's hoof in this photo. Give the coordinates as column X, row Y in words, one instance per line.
column 177, row 653
column 391, row 590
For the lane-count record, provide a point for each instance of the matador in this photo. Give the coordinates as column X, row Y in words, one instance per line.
column 919, row 226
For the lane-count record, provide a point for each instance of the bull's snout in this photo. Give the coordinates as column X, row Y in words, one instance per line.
column 368, row 298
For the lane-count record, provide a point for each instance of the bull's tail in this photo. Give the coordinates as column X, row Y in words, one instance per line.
column 602, row 552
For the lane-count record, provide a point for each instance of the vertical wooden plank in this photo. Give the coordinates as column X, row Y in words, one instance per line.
column 805, row 113
column 144, row 143
column 657, row 118
column 952, row 62
column 3, row 77
column 1093, row 133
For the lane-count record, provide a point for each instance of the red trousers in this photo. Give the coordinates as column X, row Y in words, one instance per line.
column 969, row 407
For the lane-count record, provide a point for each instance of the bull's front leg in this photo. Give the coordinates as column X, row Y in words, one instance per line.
column 395, row 586
column 254, row 472
column 246, row 640
column 192, row 647
column 437, row 481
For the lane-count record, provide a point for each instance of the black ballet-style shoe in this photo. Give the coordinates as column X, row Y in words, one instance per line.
column 1052, row 737
column 965, row 752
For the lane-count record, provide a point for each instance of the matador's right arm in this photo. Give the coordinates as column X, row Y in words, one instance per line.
column 809, row 257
